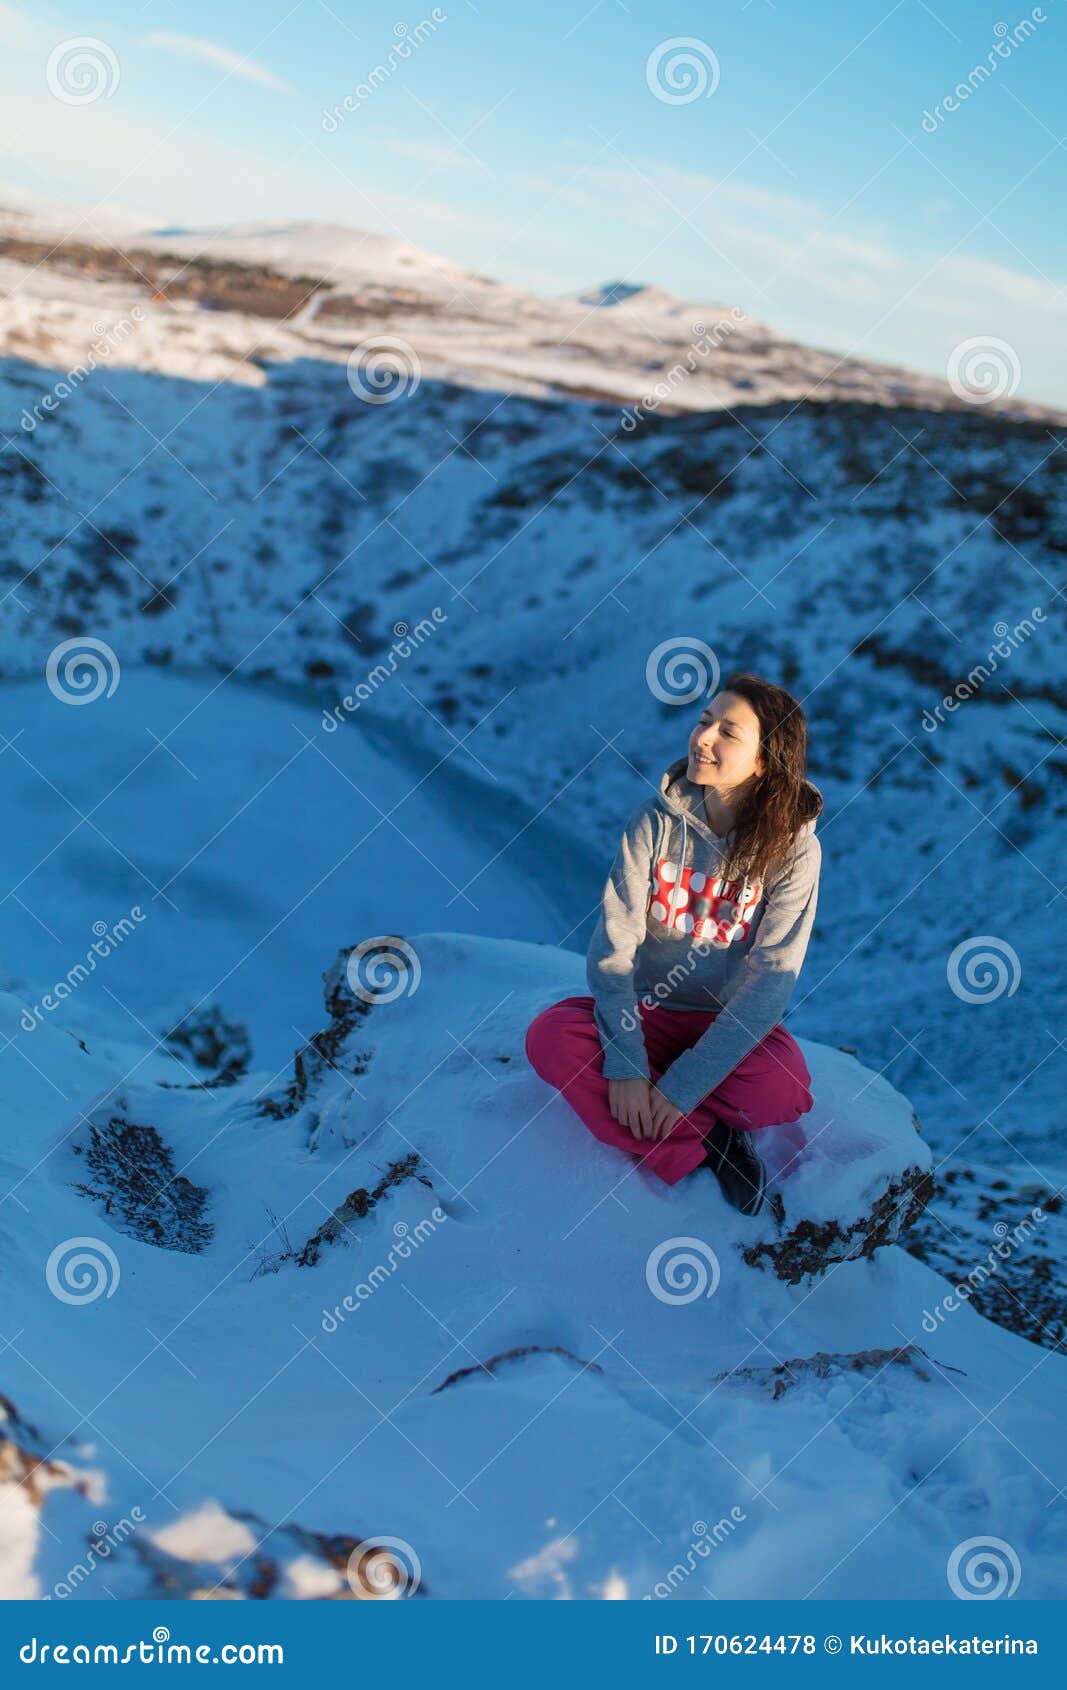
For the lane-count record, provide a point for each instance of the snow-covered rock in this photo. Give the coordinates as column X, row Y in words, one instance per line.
column 848, row 1178
column 858, row 1178
column 484, row 1323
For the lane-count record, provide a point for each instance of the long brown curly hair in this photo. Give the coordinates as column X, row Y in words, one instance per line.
column 782, row 799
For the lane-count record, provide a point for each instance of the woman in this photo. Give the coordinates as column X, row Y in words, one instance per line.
column 703, row 927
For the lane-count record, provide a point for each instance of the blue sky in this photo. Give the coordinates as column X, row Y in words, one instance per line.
column 526, row 143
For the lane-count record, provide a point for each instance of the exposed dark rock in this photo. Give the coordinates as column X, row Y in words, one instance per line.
column 824, row 1364
column 496, row 1361
column 205, row 1039
column 941, row 680
column 357, row 1204
column 367, row 1569
column 810, row 1247
column 161, row 600
column 1000, row 1243
column 323, row 1049
column 133, row 1175
column 213, row 283
column 24, row 1461
column 550, row 477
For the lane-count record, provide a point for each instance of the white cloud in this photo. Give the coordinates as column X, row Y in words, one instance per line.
column 220, row 58
column 784, row 257
column 108, row 160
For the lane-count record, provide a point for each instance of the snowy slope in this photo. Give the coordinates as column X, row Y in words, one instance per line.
column 515, row 1404
column 350, row 258
column 278, row 834
column 631, row 345
column 865, row 557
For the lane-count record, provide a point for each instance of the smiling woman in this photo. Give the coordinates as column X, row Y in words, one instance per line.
column 704, row 924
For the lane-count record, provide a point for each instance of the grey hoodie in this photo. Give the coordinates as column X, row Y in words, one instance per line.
column 694, row 941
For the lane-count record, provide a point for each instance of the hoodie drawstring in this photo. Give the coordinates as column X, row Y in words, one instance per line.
column 678, row 878
column 743, row 897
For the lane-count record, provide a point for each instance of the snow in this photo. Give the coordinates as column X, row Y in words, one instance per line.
column 623, row 344
column 206, row 1534
column 846, row 1166
column 350, row 257
column 596, row 1440
column 28, row 214
column 278, row 833
column 291, row 530
column 233, row 1391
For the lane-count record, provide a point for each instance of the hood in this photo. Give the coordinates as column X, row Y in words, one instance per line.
column 683, row 797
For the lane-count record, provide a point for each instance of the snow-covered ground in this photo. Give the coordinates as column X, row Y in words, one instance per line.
column 249, row 838
column 492, row 569
column 538, row 559
column 526, row 1368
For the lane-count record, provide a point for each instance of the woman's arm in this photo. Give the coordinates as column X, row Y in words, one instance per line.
column 759, row 1002
column 609, row 964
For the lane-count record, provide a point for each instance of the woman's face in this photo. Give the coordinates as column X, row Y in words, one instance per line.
column 724, row 744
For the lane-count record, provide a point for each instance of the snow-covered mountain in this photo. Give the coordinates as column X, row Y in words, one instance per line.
column 331, row 623
column 338, row 257
column 228, row 302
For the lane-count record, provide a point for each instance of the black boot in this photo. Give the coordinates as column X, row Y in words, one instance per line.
column 739, row 1171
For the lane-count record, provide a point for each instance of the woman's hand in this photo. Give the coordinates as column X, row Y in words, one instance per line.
column 631, row 1106
column 642, row 1107
column 663, row 1111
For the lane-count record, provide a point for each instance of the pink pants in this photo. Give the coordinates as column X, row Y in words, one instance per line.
column 770, row 1086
